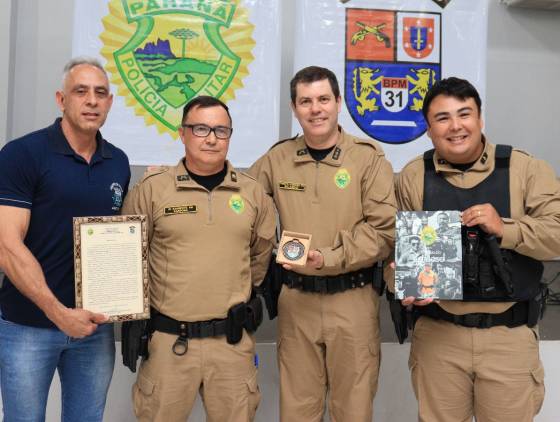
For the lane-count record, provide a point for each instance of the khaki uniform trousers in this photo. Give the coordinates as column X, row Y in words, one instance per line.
column 493, row 374
column 225, row 375
column 328, row 343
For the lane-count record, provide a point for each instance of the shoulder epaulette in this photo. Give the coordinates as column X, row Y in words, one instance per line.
column 521, row 151
column 153, row 171
column 370, row 143
column 411, row 162
column 284, row 140
column 365, row 142
column 247, row 175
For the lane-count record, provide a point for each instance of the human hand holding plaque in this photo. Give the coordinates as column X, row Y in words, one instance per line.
column 110, row 265
column 293, row 249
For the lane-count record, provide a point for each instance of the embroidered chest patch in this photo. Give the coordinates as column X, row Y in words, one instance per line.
column 342, row 178
column 236, row 203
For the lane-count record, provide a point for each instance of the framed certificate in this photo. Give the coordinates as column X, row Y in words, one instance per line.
column 110, row 265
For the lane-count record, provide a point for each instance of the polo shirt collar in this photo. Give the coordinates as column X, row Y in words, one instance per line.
column 60, row 144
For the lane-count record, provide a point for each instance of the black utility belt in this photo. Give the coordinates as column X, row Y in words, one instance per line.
column 328, row 284
column 515, row 316
column 246, row 316
column 198, row 329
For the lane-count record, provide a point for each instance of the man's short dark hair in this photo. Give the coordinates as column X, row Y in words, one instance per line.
column 451, row 87
column 443, row 215
column 313, row 74
column 204, row 101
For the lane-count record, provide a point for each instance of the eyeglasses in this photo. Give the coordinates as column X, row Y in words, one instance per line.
column 201, row 130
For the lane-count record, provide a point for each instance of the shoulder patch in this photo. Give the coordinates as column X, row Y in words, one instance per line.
column 284, row 140
column 153, row 171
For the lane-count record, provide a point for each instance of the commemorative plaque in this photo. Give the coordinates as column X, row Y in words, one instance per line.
column 293, row 248
column 110, row 266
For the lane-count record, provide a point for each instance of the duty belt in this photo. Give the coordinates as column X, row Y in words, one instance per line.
column 199, row 329
column 328, row 284
column 242, row 316
column 515, row 316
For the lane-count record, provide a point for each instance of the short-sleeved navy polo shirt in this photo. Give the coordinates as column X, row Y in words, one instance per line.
column 42, row 173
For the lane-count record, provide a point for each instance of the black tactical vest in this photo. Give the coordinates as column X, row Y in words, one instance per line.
column 489, row 273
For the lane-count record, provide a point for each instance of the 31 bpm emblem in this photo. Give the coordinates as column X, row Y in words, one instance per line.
column 163, row 53
column 392, row 59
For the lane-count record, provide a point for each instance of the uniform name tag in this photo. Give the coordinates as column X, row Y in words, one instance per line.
column 292, row 186
column 182, row 209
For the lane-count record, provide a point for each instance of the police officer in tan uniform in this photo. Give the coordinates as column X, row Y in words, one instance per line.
column 480, row 356
column 338, row 188
column 211, row 230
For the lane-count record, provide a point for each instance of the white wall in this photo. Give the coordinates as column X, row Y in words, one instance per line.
column 523, row 91
column 5, row 18
column 41, row 38
column 522, row 74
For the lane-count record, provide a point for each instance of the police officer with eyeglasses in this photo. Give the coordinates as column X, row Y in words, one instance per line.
column 202, row 130
column 211, row 231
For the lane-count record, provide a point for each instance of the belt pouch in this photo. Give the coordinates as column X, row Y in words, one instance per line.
column 254, row 314
column 237, row 315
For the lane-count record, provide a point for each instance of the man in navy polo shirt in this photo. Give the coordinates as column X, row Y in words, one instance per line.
column 47, row 177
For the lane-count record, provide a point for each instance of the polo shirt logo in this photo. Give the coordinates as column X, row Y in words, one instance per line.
column 116, row 196
column 292, row 186
column 180, row 209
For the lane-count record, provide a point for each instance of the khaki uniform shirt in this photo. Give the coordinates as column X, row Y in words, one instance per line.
column 344, row 201
column 534, row 226
column 205, row 248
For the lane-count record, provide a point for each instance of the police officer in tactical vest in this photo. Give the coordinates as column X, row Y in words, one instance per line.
column 480, row 356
